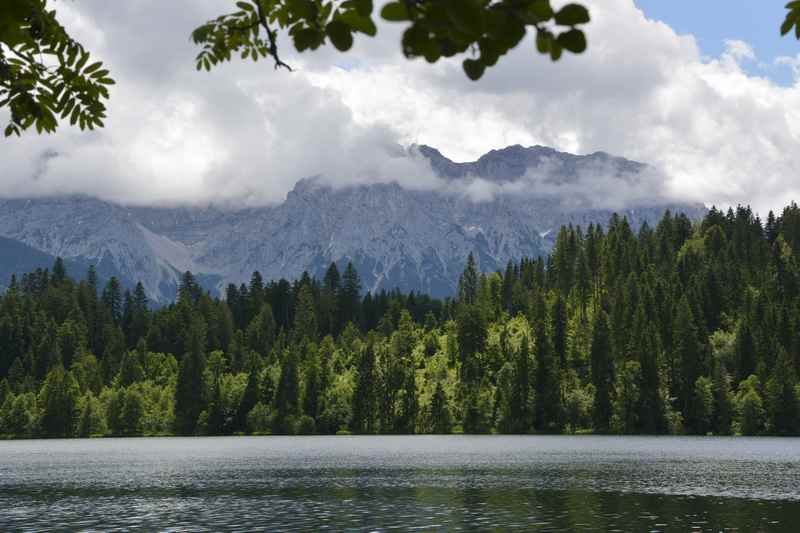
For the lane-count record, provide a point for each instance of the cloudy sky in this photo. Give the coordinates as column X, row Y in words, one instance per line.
column 708, row 94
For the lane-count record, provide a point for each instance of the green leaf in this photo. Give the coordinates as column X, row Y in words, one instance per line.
column 359, row 23
column 555, row 50
column 541, row 10
column 363, row 7
column 82, row 62
column 466, row 16
column 543, row 39
column 340, row 35
column 246, row 6
column 572, row 14
column 305, row 38
column 91, row 68
column 489, row 53
column 573, row 40
column 474, row 69
column 791, row 20
column 394, row 12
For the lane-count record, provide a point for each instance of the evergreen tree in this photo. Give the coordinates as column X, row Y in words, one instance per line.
column 602, row 373
column 782, row 398
column 112, row 299
column 350, row 296
column 440, row 418
column 364, row 398
column 190, row 387
column 305, row 320
column 468, row 283
column 287, row 396
column 687, row 349
column 58, row 401
column 520, row 405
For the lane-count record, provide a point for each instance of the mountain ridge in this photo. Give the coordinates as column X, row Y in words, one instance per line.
column 396, row 237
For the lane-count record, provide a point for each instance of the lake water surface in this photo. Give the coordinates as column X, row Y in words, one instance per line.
column 423, row 483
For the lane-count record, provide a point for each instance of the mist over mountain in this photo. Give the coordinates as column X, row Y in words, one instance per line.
column 506, row 205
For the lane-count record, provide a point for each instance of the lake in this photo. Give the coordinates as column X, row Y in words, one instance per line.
column 404, row 483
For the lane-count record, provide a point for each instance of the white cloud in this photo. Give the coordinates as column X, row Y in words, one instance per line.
column 246, row 133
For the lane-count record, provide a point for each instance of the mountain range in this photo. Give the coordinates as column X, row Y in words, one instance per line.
column 397, row 237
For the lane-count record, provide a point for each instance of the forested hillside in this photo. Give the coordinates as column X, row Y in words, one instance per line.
column 676, row 329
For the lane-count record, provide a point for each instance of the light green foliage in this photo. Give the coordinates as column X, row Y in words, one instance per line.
column 625, row 419
column 749, row 407
column 337, row 413
column 259, row 419
column 704, row 402
column 92, row 420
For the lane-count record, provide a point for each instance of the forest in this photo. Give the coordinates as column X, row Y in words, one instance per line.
column 685, row 328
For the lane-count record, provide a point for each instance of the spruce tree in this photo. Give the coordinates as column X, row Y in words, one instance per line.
column 364, row 397
column 520, row 401
column 287, row 395
column 468, row 283
column 440, row 418
column 602, row 373
column 190, row 387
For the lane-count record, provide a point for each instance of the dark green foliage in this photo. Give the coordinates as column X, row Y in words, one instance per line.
column 190, row 389
column 678, row 329
column 440, row 419
column 58, row 401
column 602, row 373
column 520, row 417
column 287, row 395
column 364, row 398
column 434, row 29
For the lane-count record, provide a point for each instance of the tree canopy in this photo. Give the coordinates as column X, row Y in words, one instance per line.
column 687, row 327
column 46, row 76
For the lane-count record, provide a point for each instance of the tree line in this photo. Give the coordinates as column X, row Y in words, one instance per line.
column 684, row 328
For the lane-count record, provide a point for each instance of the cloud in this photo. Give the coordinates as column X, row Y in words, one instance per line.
column 245, row 134
column 597, row 184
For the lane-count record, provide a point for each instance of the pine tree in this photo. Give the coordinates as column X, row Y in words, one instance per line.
column 548, row 417
column 58, row 401
column 602, row 373
column 468, row 283
column 250, row 397
column 688, row 353
column 59, row 272
column 349, row 296
column 112, row 299
column 305, row 318
column 440, row 418
column 312, row 389
column 651, row 407
column 520, row 401
column 364, row 398
column 782, row 399
column 287, row 396
column 190, row 388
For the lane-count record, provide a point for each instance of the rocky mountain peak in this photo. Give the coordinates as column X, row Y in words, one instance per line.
column 408, row 239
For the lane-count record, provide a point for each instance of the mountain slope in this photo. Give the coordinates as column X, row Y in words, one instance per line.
column 396, row 237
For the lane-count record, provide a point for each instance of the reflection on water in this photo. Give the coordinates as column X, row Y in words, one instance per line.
column 401, row 483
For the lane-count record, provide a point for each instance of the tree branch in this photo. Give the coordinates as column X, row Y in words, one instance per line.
column 273, row 44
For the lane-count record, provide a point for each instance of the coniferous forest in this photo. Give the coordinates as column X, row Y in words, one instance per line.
column 679, row 329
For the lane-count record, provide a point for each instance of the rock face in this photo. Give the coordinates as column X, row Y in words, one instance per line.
column 409, row 239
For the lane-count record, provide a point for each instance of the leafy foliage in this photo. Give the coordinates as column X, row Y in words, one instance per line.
column 484, row 29
column 45, row 75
